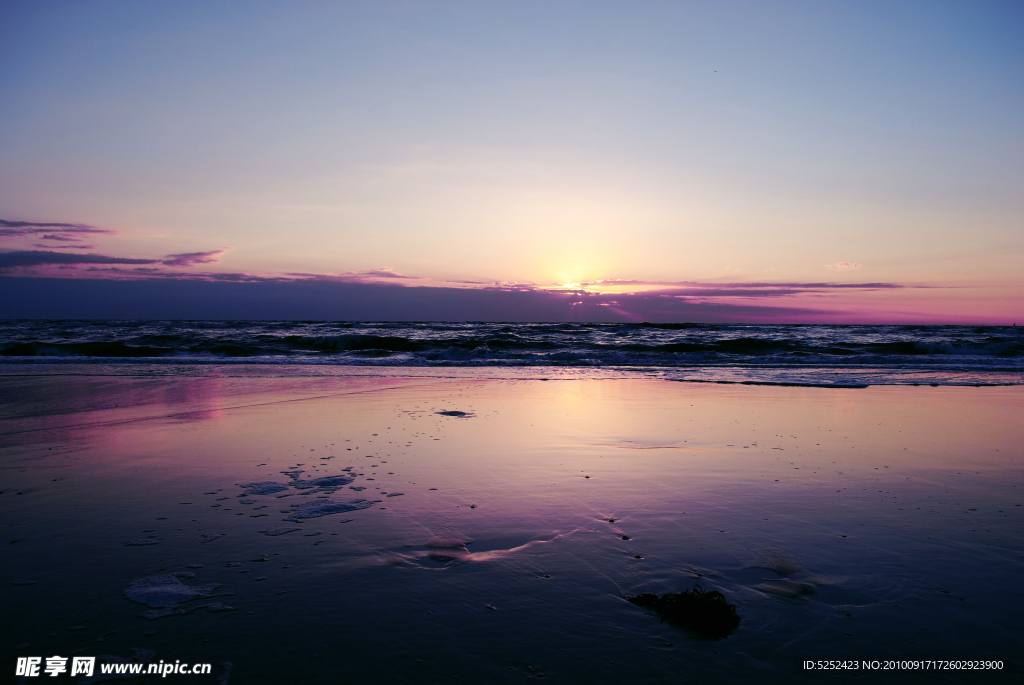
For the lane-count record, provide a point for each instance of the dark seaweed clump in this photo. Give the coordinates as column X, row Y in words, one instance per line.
column 706, row 613
column 455, row 412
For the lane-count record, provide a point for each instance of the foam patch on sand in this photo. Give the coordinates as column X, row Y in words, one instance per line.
column 312, row 510
column 265, row 488
column 165, row 591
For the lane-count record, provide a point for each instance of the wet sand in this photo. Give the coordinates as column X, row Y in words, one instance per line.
column 339, row 529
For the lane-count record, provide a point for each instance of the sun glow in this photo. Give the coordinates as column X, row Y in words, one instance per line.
column 606, row 286
column 569, row 285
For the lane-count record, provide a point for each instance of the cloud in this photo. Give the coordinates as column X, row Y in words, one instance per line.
column 52, row 231
column 76, row 246
column 10, row 260
column 193, row 258
column 359, row 276
column 117, row 292
column 383, row 272
column 596, row 293
column 844, row 266
column 61, row 237
column 235, row 296
column 697, row 291
column 668, row 285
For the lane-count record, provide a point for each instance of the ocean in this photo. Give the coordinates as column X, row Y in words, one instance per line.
column 829, row 355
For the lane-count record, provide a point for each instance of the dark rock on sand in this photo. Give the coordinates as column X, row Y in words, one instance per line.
column 706, row 613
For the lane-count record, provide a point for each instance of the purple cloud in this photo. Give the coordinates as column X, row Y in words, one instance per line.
column 237, row 296
column 193, row 258
column 384, row 272
column 76, row 246
column 10, row 260
column 53, row 231
column 696, row 285
column 61, row 237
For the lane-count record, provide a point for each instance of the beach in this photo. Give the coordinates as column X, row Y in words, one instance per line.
column 404, row 526
column 661, row 343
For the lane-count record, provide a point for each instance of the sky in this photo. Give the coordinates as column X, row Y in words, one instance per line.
column 788, row 161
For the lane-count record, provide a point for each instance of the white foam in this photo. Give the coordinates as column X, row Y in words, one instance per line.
column 164, row 592
column 311, row 510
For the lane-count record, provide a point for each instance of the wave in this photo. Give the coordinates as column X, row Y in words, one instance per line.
column 960, row 349
column 84, row 349
column 743, row 346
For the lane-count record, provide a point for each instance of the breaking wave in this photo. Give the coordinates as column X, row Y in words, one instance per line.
column 697, row 348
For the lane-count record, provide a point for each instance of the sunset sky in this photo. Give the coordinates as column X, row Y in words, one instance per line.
column 862, row 160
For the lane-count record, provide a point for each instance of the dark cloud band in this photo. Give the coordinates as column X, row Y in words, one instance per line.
column 53, row 231
column 10, row 260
